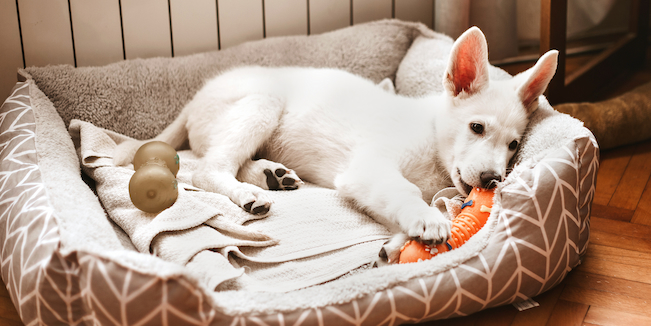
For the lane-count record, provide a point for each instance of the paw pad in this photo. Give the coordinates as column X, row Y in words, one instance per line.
column 257, row 210
column 282, row 179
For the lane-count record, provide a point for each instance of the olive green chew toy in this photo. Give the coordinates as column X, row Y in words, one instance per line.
column 153, row 187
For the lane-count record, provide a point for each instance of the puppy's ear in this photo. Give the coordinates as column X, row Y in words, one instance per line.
column 467, row 71
column 536, row 79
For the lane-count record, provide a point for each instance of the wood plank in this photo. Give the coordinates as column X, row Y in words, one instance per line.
column 7, row 310
column 194, row 26
column 370, row 10
column 497, row 316
column 4, row 293
column 8, row 313
column 625, row 150
column 98, row 31
column 592, row 281
column 633, row 182
column 568, row 313
column 621, row 228
column 617, row 270
column 11, row 51
column 47, row 36
column 611, row 169
column 9, row 322
column 285, row 17
column 239, row 21
column 416, row 11
column 458, row 321
column 609, row 317
column 146, row 26
column 612, row 213
column 622, row 256
column 619, row 241
column 642, row 213
column 328, row 15
column 540, row 315
column 610, row 300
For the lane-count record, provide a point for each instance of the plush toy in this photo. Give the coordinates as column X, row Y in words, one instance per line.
column 473, row 216
column 153, row 187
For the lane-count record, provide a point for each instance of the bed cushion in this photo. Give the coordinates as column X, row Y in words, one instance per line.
column 65, row 261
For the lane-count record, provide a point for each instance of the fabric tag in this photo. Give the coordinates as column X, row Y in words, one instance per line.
column 526, row 304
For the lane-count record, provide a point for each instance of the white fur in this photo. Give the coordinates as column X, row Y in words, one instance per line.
column 387, row 153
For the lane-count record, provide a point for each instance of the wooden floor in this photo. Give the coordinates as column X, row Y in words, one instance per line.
column 613, row 284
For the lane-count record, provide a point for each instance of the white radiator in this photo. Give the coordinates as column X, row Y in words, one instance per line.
column 98, row 32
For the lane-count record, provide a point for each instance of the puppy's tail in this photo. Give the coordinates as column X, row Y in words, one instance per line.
column 175, row 135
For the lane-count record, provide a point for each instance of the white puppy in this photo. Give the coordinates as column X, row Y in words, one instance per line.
column 387, row 153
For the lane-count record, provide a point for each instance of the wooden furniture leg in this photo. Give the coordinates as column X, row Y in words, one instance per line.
column 626, row 54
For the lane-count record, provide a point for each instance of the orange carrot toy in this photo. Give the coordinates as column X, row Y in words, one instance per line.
column 473, row 216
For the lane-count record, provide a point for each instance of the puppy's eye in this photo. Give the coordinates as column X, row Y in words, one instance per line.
column 513, row 145
column 477, row 128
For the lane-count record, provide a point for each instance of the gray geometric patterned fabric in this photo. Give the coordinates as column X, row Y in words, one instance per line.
column 28, row 232
column 542, row 229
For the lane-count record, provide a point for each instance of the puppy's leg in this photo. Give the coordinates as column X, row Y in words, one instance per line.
column 234, row 140
column 269, row 175
column 174, row 135
column 378, row 187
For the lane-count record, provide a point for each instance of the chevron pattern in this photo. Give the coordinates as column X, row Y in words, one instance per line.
column 543, row 228
column 28, row 232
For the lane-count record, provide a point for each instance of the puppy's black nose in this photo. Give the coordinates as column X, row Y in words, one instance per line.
column 489, row 179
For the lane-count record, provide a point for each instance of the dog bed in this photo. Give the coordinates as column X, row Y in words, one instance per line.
column 65, row 259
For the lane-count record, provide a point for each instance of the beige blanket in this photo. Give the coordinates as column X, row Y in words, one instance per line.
column 311, row 235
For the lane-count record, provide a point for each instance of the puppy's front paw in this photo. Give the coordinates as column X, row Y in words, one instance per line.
column 430, row 228
column 252, row 199
column 257, row 207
